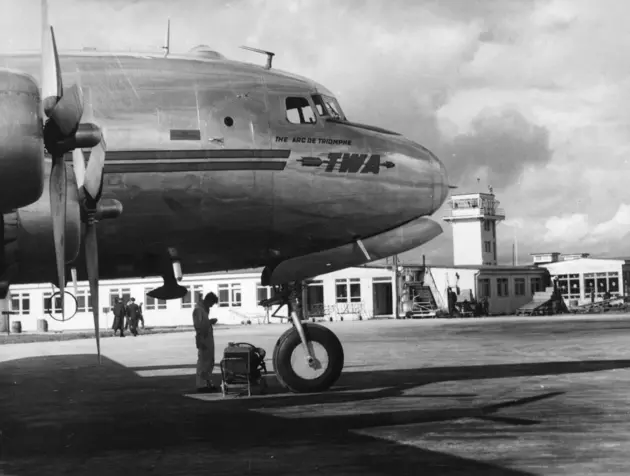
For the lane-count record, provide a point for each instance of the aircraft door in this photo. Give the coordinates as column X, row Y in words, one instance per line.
column 236, row 117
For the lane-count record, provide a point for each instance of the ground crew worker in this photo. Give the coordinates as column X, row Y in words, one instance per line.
column 204, row 340
column 133, row 314
column 119, row 317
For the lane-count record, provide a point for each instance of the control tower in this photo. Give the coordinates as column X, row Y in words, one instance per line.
column 474, row 217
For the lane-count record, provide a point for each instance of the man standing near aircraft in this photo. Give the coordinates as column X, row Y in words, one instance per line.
column 204, row 340
column 119, row 317
column 133, row 315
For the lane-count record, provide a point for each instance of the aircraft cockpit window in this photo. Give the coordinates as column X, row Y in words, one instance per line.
column 299, row 111
column 319, row 105
column 333, row 107
column 328, row 106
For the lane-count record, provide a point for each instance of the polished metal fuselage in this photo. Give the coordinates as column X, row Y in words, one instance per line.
column 203, row 159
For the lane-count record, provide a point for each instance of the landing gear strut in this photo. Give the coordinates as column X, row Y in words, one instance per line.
column 307, row 357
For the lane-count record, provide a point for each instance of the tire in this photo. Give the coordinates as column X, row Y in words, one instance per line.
column 283, row 351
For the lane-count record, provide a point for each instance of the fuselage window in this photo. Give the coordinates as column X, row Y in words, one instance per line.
column 299, row 111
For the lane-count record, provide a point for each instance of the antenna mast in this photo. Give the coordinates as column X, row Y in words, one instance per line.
column 167, row 47
column 269, row 54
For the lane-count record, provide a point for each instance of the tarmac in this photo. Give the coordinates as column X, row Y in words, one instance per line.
column 511, row 396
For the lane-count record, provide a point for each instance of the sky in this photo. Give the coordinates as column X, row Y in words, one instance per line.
column 531, row 97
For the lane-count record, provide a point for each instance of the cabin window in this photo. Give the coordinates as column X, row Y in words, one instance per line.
column 299, row 111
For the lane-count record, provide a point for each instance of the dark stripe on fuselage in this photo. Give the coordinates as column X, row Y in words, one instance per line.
column 146, row 166
column 197, row 154
column 185, row 134
column 147, row 161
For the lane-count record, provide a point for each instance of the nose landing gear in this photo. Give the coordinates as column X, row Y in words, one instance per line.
column 308, row 357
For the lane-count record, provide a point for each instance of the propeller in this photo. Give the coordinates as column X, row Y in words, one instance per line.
column 63, row 133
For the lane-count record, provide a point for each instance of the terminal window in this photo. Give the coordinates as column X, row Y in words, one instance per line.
column 488, row 246
column 535, row 284
column 502, row 287
column 21, row 303
column 124, row 294
column 84, row 301
column 348, row 290
column 519, row 286
column 263, row 292
column 484, row 288
column 194, row 295
column 230, row 295
column 152, row 304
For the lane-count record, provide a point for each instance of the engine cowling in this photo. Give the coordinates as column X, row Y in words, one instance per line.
column 35, row 244
column 21, row 142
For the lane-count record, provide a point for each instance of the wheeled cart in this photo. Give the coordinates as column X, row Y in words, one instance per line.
column 242, row 368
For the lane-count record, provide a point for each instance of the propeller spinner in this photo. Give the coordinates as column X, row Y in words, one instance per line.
column 64, row 133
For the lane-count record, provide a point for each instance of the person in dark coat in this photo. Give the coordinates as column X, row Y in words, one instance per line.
column 119, row 317
column 133, row 314
column 204, row 341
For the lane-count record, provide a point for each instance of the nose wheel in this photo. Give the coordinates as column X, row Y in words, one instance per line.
column 308, row 357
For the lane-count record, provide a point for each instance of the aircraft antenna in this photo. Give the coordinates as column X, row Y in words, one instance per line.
column 269, row 54
column 167, row 47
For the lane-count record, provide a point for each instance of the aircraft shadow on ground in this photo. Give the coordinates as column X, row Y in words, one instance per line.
column 66, row 406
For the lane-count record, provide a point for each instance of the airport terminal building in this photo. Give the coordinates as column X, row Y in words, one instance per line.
column 578, row 273
column 349, row 294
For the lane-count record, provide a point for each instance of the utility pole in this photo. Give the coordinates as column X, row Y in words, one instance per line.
column 396, row 288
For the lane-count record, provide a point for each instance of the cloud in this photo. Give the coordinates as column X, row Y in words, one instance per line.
column 500, row 146
column 578, row 229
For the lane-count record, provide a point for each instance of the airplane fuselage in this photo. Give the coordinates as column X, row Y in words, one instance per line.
column 203, row 158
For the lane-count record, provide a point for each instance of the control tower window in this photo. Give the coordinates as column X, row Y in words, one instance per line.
column 299, row 111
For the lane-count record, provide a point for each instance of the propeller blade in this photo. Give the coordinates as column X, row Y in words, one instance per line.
column 94, row 171
column 73, row 271
column 52, row 86
column 91, row 260
column 78, row 163
column 58, row 193
column 68, row 111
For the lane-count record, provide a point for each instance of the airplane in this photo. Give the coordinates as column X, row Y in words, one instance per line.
column 194, row 162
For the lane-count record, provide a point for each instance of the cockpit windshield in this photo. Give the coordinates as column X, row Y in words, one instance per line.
column 328, row 106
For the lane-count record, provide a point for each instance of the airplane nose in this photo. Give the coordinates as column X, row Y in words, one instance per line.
column 440, row 184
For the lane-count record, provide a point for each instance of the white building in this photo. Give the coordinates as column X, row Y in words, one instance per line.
column 474, row 218
column 363, row 291
column 576, row 276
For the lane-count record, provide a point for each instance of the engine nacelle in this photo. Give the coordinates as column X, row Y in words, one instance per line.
column 404, row 238
column 35, row 242
column 21, row 142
